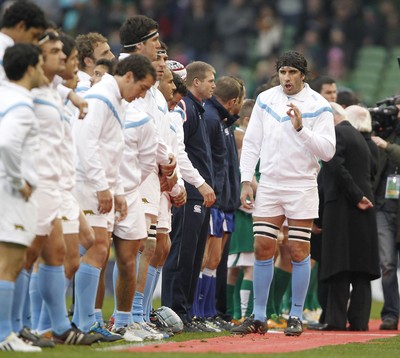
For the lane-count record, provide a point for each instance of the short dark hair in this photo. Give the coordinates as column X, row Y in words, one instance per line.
column 139, row 65
column 18, row 58
column 346, row 97
column 110, row 64
column 179, row 84
column 292, row 59
column 134, row 29
column 26, row 11
column 68, row 43
column 317, row 83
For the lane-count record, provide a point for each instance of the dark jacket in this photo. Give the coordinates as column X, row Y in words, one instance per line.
column 224, row 153
column 349, row 235
column 233, row 193
column 373, row 148
column 389, row 163
column 213, row 115
column 197, row 143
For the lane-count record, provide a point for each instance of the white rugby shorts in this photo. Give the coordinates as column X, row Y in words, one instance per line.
column 69, row 213
column 134, row 226
column 86, row 195
column 294, row 203
column 150, row 191
column 241, row 259
column 49, row 204
column 18, row 218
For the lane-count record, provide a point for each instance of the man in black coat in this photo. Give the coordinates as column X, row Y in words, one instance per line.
column 349, row 230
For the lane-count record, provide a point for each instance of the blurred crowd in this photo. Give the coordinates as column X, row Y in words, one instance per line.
column 243, row 37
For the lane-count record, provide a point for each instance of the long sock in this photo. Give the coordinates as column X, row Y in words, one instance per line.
column 203, row 286
column 195, row 310
column 230, row 290
column 86, row 283
column 311, row 303
column 35, row 300
column 115, row 277
column 44, row 324
column 300, row 281
column 137, row 307
column 26, row 314
column 246, row 295
column 236, row 296
column 209, row 297
column 263, row 274
column 271, row 309
column 44, row 320
column 282, row 280
column 138, row 256
column 7, row 289
column 98, row 314
column 21, row 287
column 214, row 295
column 122, row 319
column 148, row 293
column 51, row 284
column 153, row 289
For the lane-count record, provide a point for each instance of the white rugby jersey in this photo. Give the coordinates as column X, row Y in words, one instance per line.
column 287, row 157
column 19, row 137
column 150, row 106
column 189, row 173
column 68, row 153
column 140, row 148
column 99, row 137
column 49, row 111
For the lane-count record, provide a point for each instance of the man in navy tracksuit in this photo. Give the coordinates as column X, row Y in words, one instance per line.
column 229, row 206
column 219, row 116
column 190, row 222
column 223, row 107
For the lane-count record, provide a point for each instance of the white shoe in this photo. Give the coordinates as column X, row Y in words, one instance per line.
column 13, row 343
column 127, row 333
column 310, row 316
column 139, row 330
column 156, row 335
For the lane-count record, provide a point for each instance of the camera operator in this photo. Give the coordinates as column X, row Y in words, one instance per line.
column 387, row 126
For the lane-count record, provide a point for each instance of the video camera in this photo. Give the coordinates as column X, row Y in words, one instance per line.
column 384, row 117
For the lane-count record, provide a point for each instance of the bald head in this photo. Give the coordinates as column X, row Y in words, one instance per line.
column 359, row 117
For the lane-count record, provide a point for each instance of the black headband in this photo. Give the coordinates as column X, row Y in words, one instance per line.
column 144, row 38
column 300, row 68
column 292, row 59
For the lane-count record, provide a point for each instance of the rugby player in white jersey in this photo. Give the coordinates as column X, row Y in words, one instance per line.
column 19, row 149
column 99, row 189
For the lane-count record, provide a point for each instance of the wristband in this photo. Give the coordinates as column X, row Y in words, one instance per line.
column 299, row 129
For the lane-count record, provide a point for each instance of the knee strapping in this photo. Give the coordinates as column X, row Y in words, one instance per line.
column 152, row 232
column 299, row 233
column 262, row 228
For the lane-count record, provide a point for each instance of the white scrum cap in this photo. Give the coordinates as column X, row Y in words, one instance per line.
column 177, row 67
